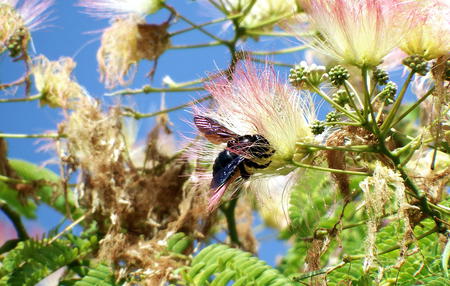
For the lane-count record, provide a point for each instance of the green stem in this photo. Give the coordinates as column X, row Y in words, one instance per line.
column 138, row 115
column 195, row 26
column 205, row 24
column 350, row 89
column 13, row 180
column 16, row 221
column 276, row 34
column 23, row 99
column 352, row 102
column 48, row 135
column 368, row 110
column 148, row 89
column 264, row 61
column 339, row 171
column 355, row 148
column 69, row 227
column 386, row 126
column 271, row 21
column 418, row 193
column 278, row 52
column 342, row 123
column 334, row 104
column 231, row 221
column 205, row 45
column 412, row 107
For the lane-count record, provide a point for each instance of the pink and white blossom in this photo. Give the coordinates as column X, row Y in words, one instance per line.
column 358, row 32
column 120, row 8
column 254, row 101
column 20, row 18
column 431, row 37
column 32, row 12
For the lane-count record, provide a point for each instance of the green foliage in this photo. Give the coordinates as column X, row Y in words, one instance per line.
column 31, row 260
column 178, row 242
column 46, row 192
column 10, row 196
column 223, row 264
column 310, row 201
column 421, row 265
column 100, row 275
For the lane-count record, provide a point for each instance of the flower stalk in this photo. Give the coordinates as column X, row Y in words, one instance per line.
column 387, row 124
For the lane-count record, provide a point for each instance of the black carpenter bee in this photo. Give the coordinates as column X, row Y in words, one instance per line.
column 242, row 156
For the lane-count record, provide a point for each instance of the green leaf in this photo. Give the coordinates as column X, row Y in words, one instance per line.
column 223, row 264
column 31, row 261
column 445, row 257
column 310, row 201
column 49, row 194
column 10, row 196
column 100, row 275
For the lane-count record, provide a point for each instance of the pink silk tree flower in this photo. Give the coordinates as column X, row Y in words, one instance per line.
column 114, row 8
column 431, row 37
column 254, row 126
column 358, row 32
column 17, row 21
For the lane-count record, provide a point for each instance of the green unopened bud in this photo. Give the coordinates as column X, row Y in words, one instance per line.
column 338, row 75
column 307, row 76
column 298, row 76
column 16, row 42
column 388, row 93
column 380, row 76
column 417, row 64
column 341, row 97
column 332, row 116
column 317, row 127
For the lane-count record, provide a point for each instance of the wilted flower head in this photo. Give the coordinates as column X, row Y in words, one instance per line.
column 113, row 8
column 254, row 102
column 124, row 44
column 358, row 32
column 17, row 21
column 261, row 12
column 129, row 39
column 54, row 82
column 431, row 37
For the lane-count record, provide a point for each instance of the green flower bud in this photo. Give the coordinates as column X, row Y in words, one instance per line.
column 298, row 76
column 388, row 93
column 341, row 97
column 317, row 127
column 307, row 76
column 338, row 75
column 417, row 64
column 332, row 116
column 380, row 76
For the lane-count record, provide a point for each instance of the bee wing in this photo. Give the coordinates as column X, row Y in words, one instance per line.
column 222, row 178
column 223, row 175
column 250, row 150
column 213, row 130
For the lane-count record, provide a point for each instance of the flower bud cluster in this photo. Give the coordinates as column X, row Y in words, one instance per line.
column 388, row 93
column 417, row 64
column 304, row 76
column 380, row 76
column 338, row 75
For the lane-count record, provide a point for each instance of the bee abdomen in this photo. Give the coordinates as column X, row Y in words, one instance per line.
column 255, row 165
